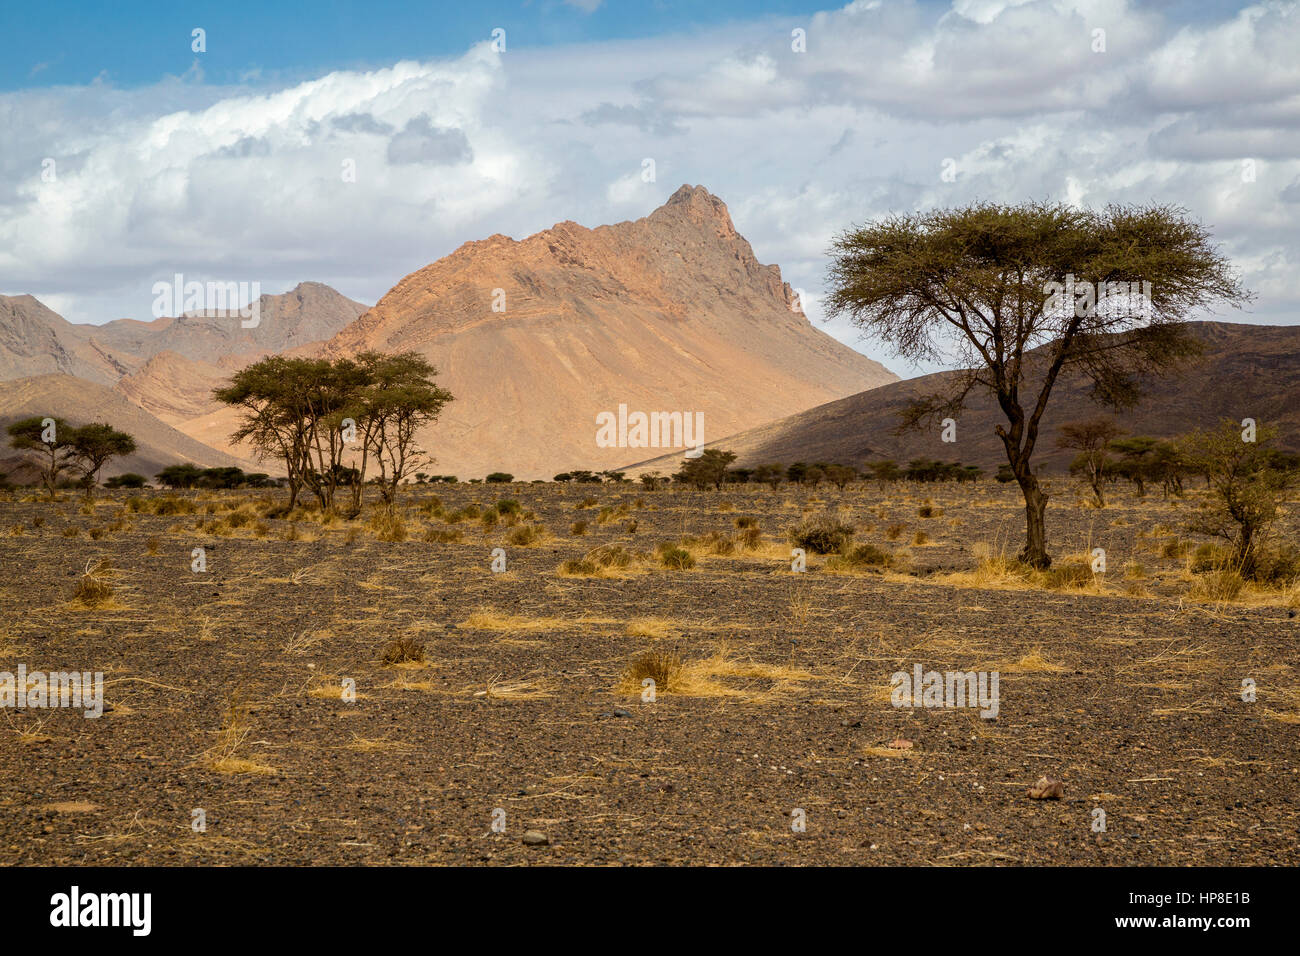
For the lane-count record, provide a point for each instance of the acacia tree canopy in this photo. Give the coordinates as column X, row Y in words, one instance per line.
column 1015, row 295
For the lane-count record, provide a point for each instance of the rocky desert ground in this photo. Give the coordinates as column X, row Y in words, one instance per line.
column 374, row 692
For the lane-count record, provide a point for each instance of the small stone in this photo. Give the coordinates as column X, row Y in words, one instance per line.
column 535, row 838
column 1046, row 789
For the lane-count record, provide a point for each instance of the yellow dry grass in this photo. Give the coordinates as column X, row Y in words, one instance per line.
column 223, row 756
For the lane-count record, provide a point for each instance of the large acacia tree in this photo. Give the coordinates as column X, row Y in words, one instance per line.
column 312, row 413
column 1024, row 293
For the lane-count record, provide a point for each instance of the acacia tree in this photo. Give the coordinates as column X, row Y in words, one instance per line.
column 1014, row 291
column 309, row 413
column 1247, row 479
column 83, row 448
column 93, row 446
column 710, row 468
column 270, row 394
column 1135, row 461
column 52, row 437
column 399, row 398
column 1092, row 440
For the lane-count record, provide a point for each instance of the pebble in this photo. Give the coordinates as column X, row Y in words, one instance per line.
column 535, row 838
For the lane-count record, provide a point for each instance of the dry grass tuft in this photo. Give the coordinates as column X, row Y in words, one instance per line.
column 403, row 650
column 93, row 589
column 224, row 757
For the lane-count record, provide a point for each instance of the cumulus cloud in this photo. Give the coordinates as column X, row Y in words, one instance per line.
column 421, row 142
column 359, row 177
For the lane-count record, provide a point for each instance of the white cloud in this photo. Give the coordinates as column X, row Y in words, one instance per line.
column 248, row 182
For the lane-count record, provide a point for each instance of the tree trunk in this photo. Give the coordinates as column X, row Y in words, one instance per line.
column 1097, row 492
column 1035, row 550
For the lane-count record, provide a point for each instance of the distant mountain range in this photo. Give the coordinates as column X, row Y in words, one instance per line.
column 1245, row 371
column 538, row 338
column 152, row 379
column 535, row 338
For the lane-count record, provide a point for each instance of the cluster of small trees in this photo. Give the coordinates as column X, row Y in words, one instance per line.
column 584, row 477
column 192, row 476
column 1105, row 456
column 331, row 421
column 82, row 450
column 713, row 469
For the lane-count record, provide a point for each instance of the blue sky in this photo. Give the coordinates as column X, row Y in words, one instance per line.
column 134, row 43
column 126, row 157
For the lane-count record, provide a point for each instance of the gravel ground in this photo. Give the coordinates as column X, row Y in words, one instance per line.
column 225, row 689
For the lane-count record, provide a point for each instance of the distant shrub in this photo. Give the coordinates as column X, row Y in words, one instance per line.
column 388, row 527
column 1223, row 585
column 674, row 557
column 403, row 650
column 526, row 535
column 821, row 534
column 662, row 667
column 864, row 556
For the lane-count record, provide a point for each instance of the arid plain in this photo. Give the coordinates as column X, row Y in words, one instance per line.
column 489, row 704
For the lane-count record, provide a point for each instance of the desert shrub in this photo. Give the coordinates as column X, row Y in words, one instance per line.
column 610, row 556
column 598, row 561
column 920, row 538
column 631, row 526
column 1277, row 566
column 587, row 502
column 744, row 521
column 239, row 518
column 96, row 533
column 489, row 519
column 1067, row 576
column 862, row 557
column 388, row 526
column 1222, row 585
column 925, row 511
column 895, row 531
column 93, row 589
column 173, row 505
column 578, row 528
column 507, row 506
column 674, row 557
column 1208, row 557
column 750, row 537
column 663, row 667
column 152, row 545
column 403, row 650
column 721, row 544
column 526, row 535
column 442, row 535
column 821, row 534
column 71, row 531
